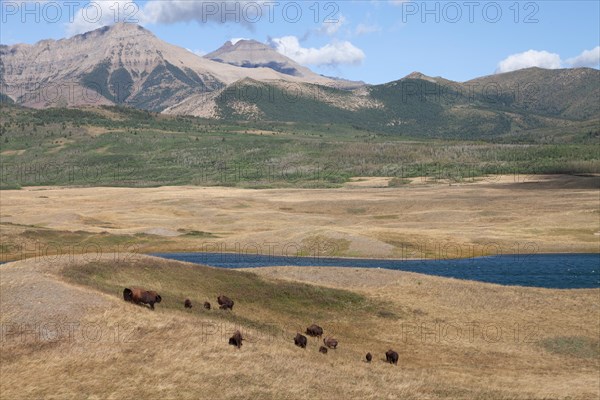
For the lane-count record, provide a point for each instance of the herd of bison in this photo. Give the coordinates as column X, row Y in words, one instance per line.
column 150, row 297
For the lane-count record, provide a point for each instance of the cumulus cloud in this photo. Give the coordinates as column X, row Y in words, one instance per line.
column 334, row 53
column 530, row 58
column 99, row 13
column 173, row 11
column 588, row 58
column 545, row 59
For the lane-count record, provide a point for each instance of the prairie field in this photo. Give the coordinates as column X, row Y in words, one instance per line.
column 68, row 334
column 365, row 218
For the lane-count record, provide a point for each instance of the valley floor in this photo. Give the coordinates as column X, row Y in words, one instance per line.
column 66, row 332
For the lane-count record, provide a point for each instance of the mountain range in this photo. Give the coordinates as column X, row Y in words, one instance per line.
column 125, row 64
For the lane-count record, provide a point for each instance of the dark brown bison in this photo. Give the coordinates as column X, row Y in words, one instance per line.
column 323, row 349
column 314, row 331
column 391, row 356
column 236, row 339
column 330, row 342
column 300, row 340
column 141, row 296
column 225, row 303
column 369, row 357
column 187, row 303
column 207, row 305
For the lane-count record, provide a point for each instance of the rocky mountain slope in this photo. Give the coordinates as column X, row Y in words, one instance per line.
column 120, row 64
column 253, row 54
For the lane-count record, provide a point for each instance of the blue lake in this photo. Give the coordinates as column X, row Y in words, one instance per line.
column 559, row 271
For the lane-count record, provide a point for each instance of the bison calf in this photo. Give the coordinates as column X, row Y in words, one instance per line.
column 314, row 331
column 225, row 303
column 391, row 356
column 369, row 357
column 323, row 349
column 141, row 296
column 187, row 303
column 207, row 305
column 236, row 339
column 330, row 342
column 300, row 340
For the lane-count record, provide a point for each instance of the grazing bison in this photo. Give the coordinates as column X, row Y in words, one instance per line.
column 225, row 303
column 141, row 296
column 207, row 305
column 236, row 339
column 369, row 357
column 330, row 342
column 323, row 349
column 187, row 303
column 300, row 340
column 314, row 331
column 391, row 356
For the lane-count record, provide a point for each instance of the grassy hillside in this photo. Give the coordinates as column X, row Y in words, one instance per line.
column 572, row 94
column 257, row 300
column 485, row 108
column 455, row 339
column 128, row 147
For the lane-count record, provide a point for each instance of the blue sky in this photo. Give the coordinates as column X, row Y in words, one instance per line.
column 373, row 41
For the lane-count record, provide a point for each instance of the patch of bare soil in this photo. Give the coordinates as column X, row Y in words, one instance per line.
column 30, row 294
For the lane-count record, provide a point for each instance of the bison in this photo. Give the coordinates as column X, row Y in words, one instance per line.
column 323, row 349
column 141, row 296
column 369, row 357
column 225, row 303
column 236, row 339
column 391, row 356
column 330, row 342
column 207, row 305
column 314, row 331
column 187, row 303
column 300, row 340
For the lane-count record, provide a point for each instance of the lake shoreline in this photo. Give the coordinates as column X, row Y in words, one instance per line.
column 553, row 271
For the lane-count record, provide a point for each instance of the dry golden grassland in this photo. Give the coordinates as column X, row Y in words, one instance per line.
column 545, row 214
column 66, row 332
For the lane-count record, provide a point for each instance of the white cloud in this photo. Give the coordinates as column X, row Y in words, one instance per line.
column 363, row 29
column 545, row 59
column 244, row 12
column 334, row 53
column 332, row 27
column 98, row 13
column 588, row 58
column 530, row 58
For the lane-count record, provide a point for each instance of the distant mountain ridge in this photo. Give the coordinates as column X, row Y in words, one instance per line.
column 253, row 54
column 126, row 64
